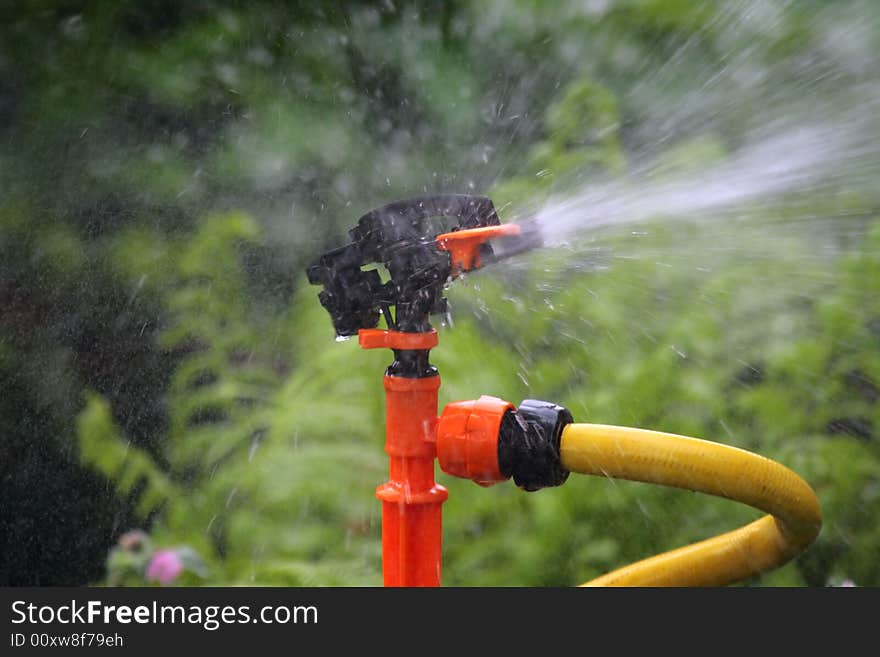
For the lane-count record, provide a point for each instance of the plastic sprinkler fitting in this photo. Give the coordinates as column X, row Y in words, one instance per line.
column 423, row 243
column 488, row 441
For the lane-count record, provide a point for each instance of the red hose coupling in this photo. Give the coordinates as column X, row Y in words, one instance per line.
column 467, row 439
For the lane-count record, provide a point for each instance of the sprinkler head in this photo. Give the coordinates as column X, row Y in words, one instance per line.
column 419, row 254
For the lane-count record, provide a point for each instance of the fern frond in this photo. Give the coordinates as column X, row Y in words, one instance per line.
column 104, row 449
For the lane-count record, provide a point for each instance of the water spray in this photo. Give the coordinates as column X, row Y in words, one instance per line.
column 423, row 244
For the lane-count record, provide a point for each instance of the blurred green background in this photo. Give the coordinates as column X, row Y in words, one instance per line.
column 168, row 169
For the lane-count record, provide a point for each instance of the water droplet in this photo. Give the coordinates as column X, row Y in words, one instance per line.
column 231, row 496
column 255, row 443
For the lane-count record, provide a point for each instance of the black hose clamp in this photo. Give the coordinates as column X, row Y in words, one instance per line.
column 529, row 444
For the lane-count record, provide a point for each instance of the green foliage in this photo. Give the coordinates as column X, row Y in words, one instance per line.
column 582, row 140
column 293, row 471
column 168, row 169
column 130, row 469
column 725, row 357
column 250, row 468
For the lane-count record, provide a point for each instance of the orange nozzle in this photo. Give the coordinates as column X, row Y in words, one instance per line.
column 464, row 245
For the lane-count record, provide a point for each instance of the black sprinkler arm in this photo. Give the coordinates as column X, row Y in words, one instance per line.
column 400, row 237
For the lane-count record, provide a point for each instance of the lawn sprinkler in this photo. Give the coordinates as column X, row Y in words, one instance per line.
column 423, row 244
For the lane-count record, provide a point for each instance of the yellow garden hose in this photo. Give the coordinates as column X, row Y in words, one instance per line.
column 700, row 465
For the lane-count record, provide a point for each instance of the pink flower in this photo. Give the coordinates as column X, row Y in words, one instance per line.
column 164, row 566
